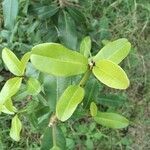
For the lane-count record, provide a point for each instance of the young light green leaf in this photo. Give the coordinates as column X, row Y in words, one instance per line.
column 69, row 101
column 25, row 59
column 8, row 107
column 105, row 42
column 93, row 109
column 111, row 74
column 12, row 62
column 10, row 88
column 16, row 127
column 33, row 86
column 55, row 59
column 85, row 46
column 10, row 11
column 115, row 51
column 6, row 111
column 111, row 120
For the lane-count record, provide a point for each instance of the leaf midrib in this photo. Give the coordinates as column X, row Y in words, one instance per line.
column 17, row 66
column 8, row 95
column 69, row 103
column 111, row 120
column 111, row 56
column 108, row 74
column 60, row 60
column 116, row 52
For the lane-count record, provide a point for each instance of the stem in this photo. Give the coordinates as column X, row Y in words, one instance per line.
column 85, row 78
column 52, row 124
column 53, row 119
column 62, row 3
column 54, row 134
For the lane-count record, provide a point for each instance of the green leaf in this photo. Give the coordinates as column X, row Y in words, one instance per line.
column 32, row 106
column 50, row 86
column 55, row 148
column 69, row 101
column 104, row 28
column 85, row 46
column 8, row 107
column 93, row 109
column 31, row 71
column 55, row 59
column 45, row 12
column 111, row 120
column 10, row 88
column 25, row 59
column 47, row 140
column 111, row 100
column 76, row 14
column 16, row 127
column 12, row 62
column 111, row 74
column 33, row 86
column 67, row 30
column 115, row 51
column 92, row 90
column 10, row 11
column 1, row 78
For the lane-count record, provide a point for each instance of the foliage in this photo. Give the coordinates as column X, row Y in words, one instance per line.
column 61, row 61
column 35, row 22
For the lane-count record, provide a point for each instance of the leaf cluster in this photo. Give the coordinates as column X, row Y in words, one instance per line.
column 55, row 59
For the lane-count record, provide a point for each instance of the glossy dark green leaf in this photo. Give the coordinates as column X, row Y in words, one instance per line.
column 111, row 100
column 16, row 127
column 67, row 30
column 53, row 88
column 10, row 11
column 114, row 51
column 31, row 71
column 47, row 140
column 39, row 116
column 56, row 59
column 111, row 120
column 45, row 12
column 104, row 28
column 69, row 101
column 92, row 90
column 85, row 46
column 49, row 86
column 32, row 106
column 62, row 84
column 12, row 62
column 76, row 14
column 10, row 88
column 111, row 74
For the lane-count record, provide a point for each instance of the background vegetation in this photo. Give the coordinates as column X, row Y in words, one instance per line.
column 41, row 21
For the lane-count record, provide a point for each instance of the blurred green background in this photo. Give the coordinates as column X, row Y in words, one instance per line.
column 38, row 21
